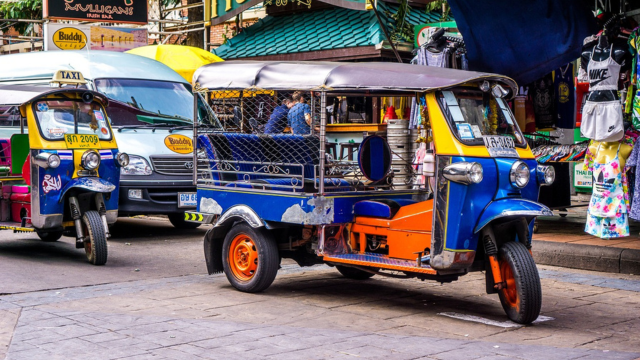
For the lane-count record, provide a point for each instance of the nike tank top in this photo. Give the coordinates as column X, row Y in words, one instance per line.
column 604, row 74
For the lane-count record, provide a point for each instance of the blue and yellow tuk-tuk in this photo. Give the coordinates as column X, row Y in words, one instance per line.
column 462, row 200
column 60, row 169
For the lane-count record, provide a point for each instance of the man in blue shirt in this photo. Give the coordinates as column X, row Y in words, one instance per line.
column 278, row 119
column 300, row 115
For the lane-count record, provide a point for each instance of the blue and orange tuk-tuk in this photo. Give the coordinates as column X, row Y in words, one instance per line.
column 60, row 166
column 464, row 201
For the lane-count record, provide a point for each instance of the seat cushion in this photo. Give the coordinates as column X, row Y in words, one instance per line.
column 20, row 189
column 24, row 198
column 382, row 208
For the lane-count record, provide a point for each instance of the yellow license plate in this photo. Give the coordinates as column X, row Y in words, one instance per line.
column 76, row 141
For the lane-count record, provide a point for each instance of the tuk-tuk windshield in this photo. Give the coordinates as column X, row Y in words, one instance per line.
column 474, row 114
column 57, row 118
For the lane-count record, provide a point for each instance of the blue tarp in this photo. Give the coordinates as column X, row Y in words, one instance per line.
column 522, row 39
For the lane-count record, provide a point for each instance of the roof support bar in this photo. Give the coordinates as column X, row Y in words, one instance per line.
column 386, row 34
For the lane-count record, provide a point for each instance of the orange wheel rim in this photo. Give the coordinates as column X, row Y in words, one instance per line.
column 509, row 292
column 243, row 257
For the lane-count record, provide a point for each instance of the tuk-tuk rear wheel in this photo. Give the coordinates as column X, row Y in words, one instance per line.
column 521, row 298
column 95, row 238
column 353, row 273
column 50, row 236
column 250, row 258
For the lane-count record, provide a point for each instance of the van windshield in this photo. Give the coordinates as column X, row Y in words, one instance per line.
column 474, row 115
column 58, row 117
column 162, row 98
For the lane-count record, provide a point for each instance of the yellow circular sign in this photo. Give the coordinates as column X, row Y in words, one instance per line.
column 69, row 39
column 179, row 143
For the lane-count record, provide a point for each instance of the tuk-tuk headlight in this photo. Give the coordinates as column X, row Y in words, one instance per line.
column 546, row 175
column 464, row 172
column 90, row 160
column 47, row 160
column 519, row 174
column 123, row 159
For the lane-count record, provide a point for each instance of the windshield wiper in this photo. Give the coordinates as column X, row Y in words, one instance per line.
column 182, row 127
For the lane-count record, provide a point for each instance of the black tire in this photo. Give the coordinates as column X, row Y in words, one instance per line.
column 263, row 257
column 522, row 303
column 95, row 238
column 178, row 221
column 353, row 273
column 50, row 236
column 563, row 215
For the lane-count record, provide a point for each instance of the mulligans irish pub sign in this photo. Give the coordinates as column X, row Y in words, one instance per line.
column 118, row 11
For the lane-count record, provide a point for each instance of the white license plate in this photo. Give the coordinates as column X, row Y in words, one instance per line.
column 187, row 200
column 500, row 146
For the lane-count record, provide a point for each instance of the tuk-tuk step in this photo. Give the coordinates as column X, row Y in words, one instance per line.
column 15, row 226
column 379, row 261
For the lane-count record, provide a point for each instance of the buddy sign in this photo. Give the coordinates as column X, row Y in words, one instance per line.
column 119, row 11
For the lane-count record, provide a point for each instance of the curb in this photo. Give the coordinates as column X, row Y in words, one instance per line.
column 587, row 257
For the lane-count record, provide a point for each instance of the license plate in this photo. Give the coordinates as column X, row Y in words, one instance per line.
column 75, row 141
column 500, row 146
column 187, row 200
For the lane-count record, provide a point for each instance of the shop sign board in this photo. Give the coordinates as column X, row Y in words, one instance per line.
column 582, row 179
column 422, row 33
column 118, row 11
column 220, row 11
column 78, row 37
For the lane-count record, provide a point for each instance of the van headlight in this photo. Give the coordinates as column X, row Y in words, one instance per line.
column 464, row 172
column 519, row 174
column 546, row 175
column 90, row 160
column 137, row 166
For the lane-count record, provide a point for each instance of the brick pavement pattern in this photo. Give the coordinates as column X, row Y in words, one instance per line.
column 316, row 314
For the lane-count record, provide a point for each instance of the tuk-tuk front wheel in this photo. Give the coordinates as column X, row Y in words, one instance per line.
column 95, row 238
column 250, row 258
column 50, row 236
column 521, row 298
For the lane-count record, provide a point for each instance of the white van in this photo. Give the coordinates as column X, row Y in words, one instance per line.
column 151, row 111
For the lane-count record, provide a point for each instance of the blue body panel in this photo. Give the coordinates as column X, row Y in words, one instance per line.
column 497, row 209
column 59, row 181
column 468, row 204
column 294, row 209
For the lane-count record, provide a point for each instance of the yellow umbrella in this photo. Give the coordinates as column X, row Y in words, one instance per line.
column 185, row 60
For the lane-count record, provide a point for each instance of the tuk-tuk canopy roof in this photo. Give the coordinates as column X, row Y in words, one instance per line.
column 21, row 94
column 315, row 75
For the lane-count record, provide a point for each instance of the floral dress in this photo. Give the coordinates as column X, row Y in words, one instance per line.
column 607, row 215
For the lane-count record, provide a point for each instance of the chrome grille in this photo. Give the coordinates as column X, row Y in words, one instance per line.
column 172, row 165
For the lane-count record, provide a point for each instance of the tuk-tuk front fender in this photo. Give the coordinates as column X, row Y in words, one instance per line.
column 92, row 184
column 511, row 207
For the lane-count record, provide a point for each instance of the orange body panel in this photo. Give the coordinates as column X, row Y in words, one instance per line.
column 407, row 233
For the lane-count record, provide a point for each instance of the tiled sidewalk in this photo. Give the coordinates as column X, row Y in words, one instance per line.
column 570, row 229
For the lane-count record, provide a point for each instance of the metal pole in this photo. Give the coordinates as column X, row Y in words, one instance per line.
column 386, row 34
column 195, row 137
column 323, row 130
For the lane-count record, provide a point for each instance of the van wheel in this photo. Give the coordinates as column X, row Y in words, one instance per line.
column 178, row 221
column 521, row 298
column 50, row 236
column 353, row 273
column 250, row 258
column 95, row 239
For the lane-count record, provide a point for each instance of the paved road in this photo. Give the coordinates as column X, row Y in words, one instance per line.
column 55, row 306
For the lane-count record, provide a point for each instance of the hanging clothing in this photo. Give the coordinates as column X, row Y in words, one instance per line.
column 437, row 59
column 543, row 103
column 565, row 100
column 634, row 161
column 607, row 213
column 603, row 74
column 602, row 121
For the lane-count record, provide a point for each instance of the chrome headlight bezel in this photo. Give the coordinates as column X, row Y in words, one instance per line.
column 90, row 160
column 466, row 173
column 122, row 159
column 546, row 175
column 520, row 174
column 47, row 160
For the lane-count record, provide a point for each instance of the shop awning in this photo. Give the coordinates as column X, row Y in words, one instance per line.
column 522, row 39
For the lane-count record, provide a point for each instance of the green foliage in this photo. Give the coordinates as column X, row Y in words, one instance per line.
column 401, row 30
column 440, row 6
column 22, row 9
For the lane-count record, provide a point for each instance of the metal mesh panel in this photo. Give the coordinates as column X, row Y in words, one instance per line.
column 270, row 141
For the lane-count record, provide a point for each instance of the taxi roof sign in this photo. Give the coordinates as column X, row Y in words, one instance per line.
column 68, row 77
